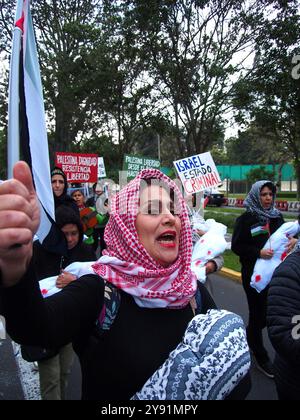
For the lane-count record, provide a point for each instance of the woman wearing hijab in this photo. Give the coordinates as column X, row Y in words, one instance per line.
column 144, row 272
column 60, row 187
column 252, row 230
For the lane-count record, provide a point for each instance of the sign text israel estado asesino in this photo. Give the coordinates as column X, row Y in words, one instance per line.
column 78, row 167
column 197, row 173
column 134, row 164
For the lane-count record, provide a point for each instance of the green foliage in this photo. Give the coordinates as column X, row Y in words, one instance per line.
column 106, row 148
column 257, row 144
column 286, row 195
column 130, row 70
column 227, row 219
column 219, row 155
column 271, row 94
column 257, row 174
column 194, row 49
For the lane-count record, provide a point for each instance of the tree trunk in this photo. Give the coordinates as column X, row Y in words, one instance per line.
column 279, row 175
column 178, row 136
column 63, row 136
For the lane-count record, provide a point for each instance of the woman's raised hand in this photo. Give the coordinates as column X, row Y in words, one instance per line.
column 266, row 254
column 19, row 221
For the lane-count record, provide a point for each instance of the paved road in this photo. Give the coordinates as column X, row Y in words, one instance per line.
column 227, row 294
column 10, row 385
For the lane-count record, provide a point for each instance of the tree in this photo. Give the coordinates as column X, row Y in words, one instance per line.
column 255, row 145
column 66, row 33
column 106, row 148
column 3, row 152
column 196, row 50
column 257, row 174
column 123, row 89
column 271, row 95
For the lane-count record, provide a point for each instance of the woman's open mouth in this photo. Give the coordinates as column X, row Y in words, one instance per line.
column 167, row 239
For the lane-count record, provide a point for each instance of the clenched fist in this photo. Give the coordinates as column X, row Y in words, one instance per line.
column 19, row 221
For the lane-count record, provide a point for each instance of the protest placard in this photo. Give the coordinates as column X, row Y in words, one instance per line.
column 197, row 173
column 78, row 167
column 101, row 168
column 134, row 164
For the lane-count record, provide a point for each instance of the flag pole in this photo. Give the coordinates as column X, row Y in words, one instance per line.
column 13, row 143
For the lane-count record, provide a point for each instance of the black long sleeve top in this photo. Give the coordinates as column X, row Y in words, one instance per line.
column 48, row 264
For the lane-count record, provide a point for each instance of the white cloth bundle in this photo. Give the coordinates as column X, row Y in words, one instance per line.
column 278, row 241
column 48, row 285
column 198, row 223
column 210, row 245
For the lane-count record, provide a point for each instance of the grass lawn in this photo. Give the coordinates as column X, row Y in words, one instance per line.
column 217, row 212
column 231, row 261
column 222, row 216
column 224, row 209
column 237, row 195
column 281, row 197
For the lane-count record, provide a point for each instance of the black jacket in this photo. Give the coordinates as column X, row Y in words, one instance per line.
column 67, row 201
column 283, row 318
column 246, row 246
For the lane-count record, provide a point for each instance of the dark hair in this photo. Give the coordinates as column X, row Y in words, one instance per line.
column 271, row 186
column 58, row 171
column 75, row 190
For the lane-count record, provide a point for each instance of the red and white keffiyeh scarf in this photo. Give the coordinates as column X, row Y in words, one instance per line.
column 126, row 263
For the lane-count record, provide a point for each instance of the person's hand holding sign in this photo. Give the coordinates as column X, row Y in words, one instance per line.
column 19, row 221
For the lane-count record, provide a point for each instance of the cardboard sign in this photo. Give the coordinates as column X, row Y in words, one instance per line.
column 134, row 164
column 78, row 167
column 197, row 173
column 101, row 168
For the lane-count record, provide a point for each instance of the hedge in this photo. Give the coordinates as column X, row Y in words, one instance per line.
column 227, row 219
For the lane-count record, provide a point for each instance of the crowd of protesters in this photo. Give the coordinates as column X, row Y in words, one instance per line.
column 130, row 315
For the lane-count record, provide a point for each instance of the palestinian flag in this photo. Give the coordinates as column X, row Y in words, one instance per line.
column 260, row 230
column 27, row 126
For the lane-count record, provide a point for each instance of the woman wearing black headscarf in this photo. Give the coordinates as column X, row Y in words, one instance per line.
column 252, row 230
column 60, row 186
